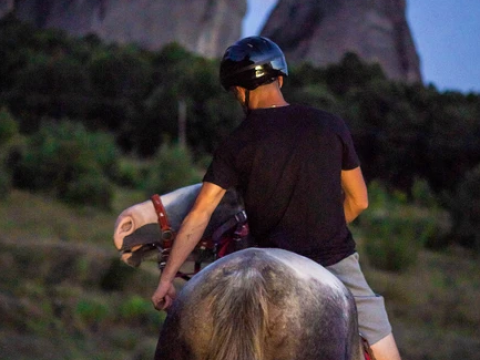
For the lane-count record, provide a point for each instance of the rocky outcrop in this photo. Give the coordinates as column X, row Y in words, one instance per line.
column 322, row 31
column 317, row 31
column 202, row 26
column 6, row 6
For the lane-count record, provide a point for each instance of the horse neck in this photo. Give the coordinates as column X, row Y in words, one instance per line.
column 179, row 202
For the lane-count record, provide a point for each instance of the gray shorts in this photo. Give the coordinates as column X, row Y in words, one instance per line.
column 372, row 316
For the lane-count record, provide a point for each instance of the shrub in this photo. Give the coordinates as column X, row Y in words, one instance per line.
column 92, row 312
column 131, row 173
column 8, row 130
column 5, row 183
column 116, row 276
column 91, row 189
column 393, row 243
column 8, row 126
column 172, row 168
column 395, row 231
column 464, row 206
column 137, row 310
column 66, row 160
column 424, row 197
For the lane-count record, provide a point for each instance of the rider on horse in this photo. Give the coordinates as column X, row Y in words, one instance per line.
column 299, row 175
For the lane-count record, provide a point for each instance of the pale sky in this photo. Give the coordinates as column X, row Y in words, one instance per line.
column 446, row 34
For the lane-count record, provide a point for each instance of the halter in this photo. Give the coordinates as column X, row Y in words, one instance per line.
column 168, row 235
column 222, row 242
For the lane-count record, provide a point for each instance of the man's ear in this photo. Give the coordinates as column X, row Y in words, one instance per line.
column 239, row 93
column 280, row 81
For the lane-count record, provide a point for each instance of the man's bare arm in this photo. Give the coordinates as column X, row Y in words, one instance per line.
column 189, row 235
column 356, row 195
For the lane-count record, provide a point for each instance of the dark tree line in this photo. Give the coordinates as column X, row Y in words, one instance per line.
column 402, row 132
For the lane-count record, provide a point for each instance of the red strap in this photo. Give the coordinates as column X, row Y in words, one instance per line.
column 167, row 232
column 161, row 213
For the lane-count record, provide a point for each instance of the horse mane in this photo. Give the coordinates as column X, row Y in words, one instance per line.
column 239, row 315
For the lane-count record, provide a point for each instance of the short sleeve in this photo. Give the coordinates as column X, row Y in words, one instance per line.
column 349, row 155
column 222, row 171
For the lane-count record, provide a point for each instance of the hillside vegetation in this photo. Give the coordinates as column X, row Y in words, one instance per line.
column 65, row 295
column 87, row 129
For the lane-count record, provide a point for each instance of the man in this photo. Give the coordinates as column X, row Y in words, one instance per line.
column 300, row 178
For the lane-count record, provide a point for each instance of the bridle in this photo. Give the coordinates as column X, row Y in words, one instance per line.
column 166, row 231
column 223, row 239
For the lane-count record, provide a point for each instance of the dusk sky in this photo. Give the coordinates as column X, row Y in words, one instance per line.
column 446, row 34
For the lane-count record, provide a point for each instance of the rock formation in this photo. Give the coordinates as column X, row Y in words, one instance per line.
column 318, row 31
column 201, row 26
column 322, row 31
column 6, row 6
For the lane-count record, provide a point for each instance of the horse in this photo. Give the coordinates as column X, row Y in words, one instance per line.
column 137, row 234
column 261, row 304
column 255, row 304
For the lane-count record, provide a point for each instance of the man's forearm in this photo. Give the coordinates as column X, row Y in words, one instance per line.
column 352, row 209
column 188, row 237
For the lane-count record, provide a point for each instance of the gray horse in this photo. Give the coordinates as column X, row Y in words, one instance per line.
column 262, row 304
column 254, row 304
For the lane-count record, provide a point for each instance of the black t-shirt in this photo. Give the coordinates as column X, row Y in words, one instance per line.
column 286, row 162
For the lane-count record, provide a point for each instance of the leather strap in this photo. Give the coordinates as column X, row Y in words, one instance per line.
column 161, row 213
column 166, row 231
column 239, row 218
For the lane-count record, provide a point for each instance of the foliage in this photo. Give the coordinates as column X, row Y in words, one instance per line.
column 351, row 73
column 464, row 206
column 8, row 131
column 5, row 183
column 171, row 168
column 394, row 231
column 402, row 132
column 115, row 277
column 69, row 162
column 8, row 126
column 92, row 312
column 52, row 287
column 138, row 310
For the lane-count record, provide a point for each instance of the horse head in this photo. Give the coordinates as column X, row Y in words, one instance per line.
column 137, row 234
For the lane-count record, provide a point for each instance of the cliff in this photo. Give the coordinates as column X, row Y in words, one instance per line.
column 322, row 31
column 201, row 26
column 317, row 31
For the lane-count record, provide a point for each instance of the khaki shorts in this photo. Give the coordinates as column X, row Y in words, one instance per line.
column 372, row 316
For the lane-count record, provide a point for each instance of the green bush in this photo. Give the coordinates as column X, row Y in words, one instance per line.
column 8, row 126
column 66, row 160
column 464, row 206
column 5, row 183
column 92, row 312
column 395, row 230
column 131, row 172
column 392, row 243
column 116, row 276
column 8, row 130
column 172, row 168
column 90, row 189
column 137, row 310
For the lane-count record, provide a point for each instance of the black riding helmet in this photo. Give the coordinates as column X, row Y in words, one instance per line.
column 251, row 62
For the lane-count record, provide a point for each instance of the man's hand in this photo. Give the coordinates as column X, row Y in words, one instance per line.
column 164, row 295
